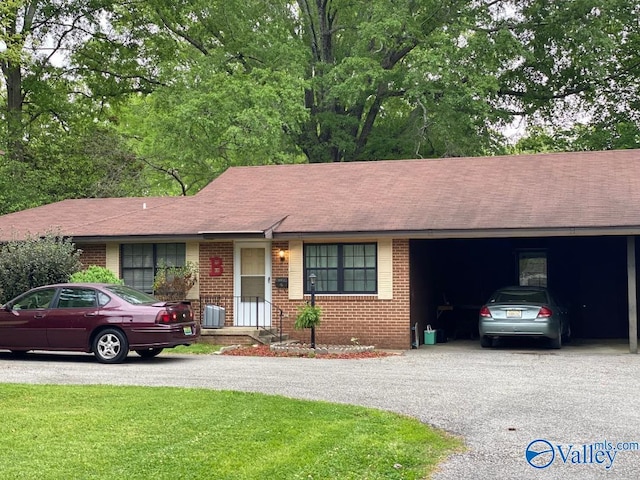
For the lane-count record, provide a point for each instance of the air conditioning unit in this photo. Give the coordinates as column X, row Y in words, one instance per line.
column 213, row 317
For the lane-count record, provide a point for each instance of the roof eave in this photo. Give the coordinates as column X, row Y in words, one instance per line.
column 233, row 234
column 470, row 233
column 132, row 238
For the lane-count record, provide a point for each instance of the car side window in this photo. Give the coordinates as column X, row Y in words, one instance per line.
column 77, row 298
column 34, row 300
column 103, row 299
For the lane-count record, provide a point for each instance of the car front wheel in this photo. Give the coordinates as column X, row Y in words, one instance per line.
column 149, row 352
column 110, row 346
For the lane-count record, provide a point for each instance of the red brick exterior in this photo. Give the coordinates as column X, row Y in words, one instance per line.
column 216, row 281
column 383, row 323
column 93, row 255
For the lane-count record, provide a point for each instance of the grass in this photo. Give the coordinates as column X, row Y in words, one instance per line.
column 200, row 348
column 100, row 432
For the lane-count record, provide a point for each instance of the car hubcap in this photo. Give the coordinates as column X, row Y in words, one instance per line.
column 109, row 346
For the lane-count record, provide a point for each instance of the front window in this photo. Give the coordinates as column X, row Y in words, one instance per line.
column 140, row 262
column 532, row 268
column 342, row 267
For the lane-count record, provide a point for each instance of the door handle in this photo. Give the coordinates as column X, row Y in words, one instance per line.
column 90, row 314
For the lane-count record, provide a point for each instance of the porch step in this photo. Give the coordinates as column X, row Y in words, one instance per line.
column 241, row 336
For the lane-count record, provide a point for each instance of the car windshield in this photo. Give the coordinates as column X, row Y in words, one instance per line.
column 515, row 296
column 131, row 295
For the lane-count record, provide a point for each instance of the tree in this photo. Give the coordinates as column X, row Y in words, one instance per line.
column 185, row 89
column 56, row 121
column 229, row 89
column 207, row 121
column 36, row 35
column 380, row 72
column 577, row 71
column 333, row 79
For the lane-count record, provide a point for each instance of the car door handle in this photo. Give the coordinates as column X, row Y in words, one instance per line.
column 90, row 314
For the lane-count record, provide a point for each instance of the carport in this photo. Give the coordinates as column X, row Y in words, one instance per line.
column 595, row 276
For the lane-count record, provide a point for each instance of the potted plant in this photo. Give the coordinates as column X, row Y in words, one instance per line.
column 173, row 283
column 309, row 317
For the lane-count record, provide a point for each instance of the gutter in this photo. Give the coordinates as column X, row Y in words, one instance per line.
column 468, row 233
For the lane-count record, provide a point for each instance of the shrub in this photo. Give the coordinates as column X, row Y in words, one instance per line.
column 36, row 261
column 95, row 274
column 173, row 283
column 308, row 317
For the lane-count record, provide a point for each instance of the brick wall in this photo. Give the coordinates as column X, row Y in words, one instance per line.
column 383, row 323
column 93, row 255
column 217, row 288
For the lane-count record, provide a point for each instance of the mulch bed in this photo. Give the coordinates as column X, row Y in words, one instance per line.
column 265, row 351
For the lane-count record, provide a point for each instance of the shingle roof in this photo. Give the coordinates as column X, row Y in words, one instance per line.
column 583, row 190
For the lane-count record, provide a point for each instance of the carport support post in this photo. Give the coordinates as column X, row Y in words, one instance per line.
column 633, row 300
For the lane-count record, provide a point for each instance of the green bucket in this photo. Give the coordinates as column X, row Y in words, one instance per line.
column 429, row 336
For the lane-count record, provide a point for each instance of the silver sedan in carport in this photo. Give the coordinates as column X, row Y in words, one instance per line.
column 523, row 311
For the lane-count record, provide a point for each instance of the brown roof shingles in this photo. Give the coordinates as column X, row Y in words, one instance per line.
column 586, row 189
column 543, row 191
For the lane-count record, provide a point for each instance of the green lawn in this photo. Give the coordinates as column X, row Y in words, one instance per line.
column 106, row 432
column 200, row 348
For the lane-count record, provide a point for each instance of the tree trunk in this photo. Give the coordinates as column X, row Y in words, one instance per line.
column 15, row 128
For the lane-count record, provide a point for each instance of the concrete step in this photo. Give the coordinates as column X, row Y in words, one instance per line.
column 241, row 336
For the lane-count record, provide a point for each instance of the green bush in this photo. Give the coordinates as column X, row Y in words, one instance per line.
column 36, row 261
column 95, row 274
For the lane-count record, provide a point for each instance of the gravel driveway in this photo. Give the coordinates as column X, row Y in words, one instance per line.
column 498, row 400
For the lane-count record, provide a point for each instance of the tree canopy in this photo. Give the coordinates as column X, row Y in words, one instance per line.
column 154, row 97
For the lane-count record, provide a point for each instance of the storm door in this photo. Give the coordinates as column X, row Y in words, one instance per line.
column 252, row 285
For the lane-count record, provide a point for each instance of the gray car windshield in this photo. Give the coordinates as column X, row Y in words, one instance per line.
column 515, row 296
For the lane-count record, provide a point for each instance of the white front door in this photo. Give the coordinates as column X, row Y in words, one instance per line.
column 252, row 284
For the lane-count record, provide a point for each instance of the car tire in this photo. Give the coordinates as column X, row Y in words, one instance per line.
column 557, row 342
column 110, row 346
column 486, row 342
column 149, row 352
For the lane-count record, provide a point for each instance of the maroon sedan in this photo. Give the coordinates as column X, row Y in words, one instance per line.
column 106, row 319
